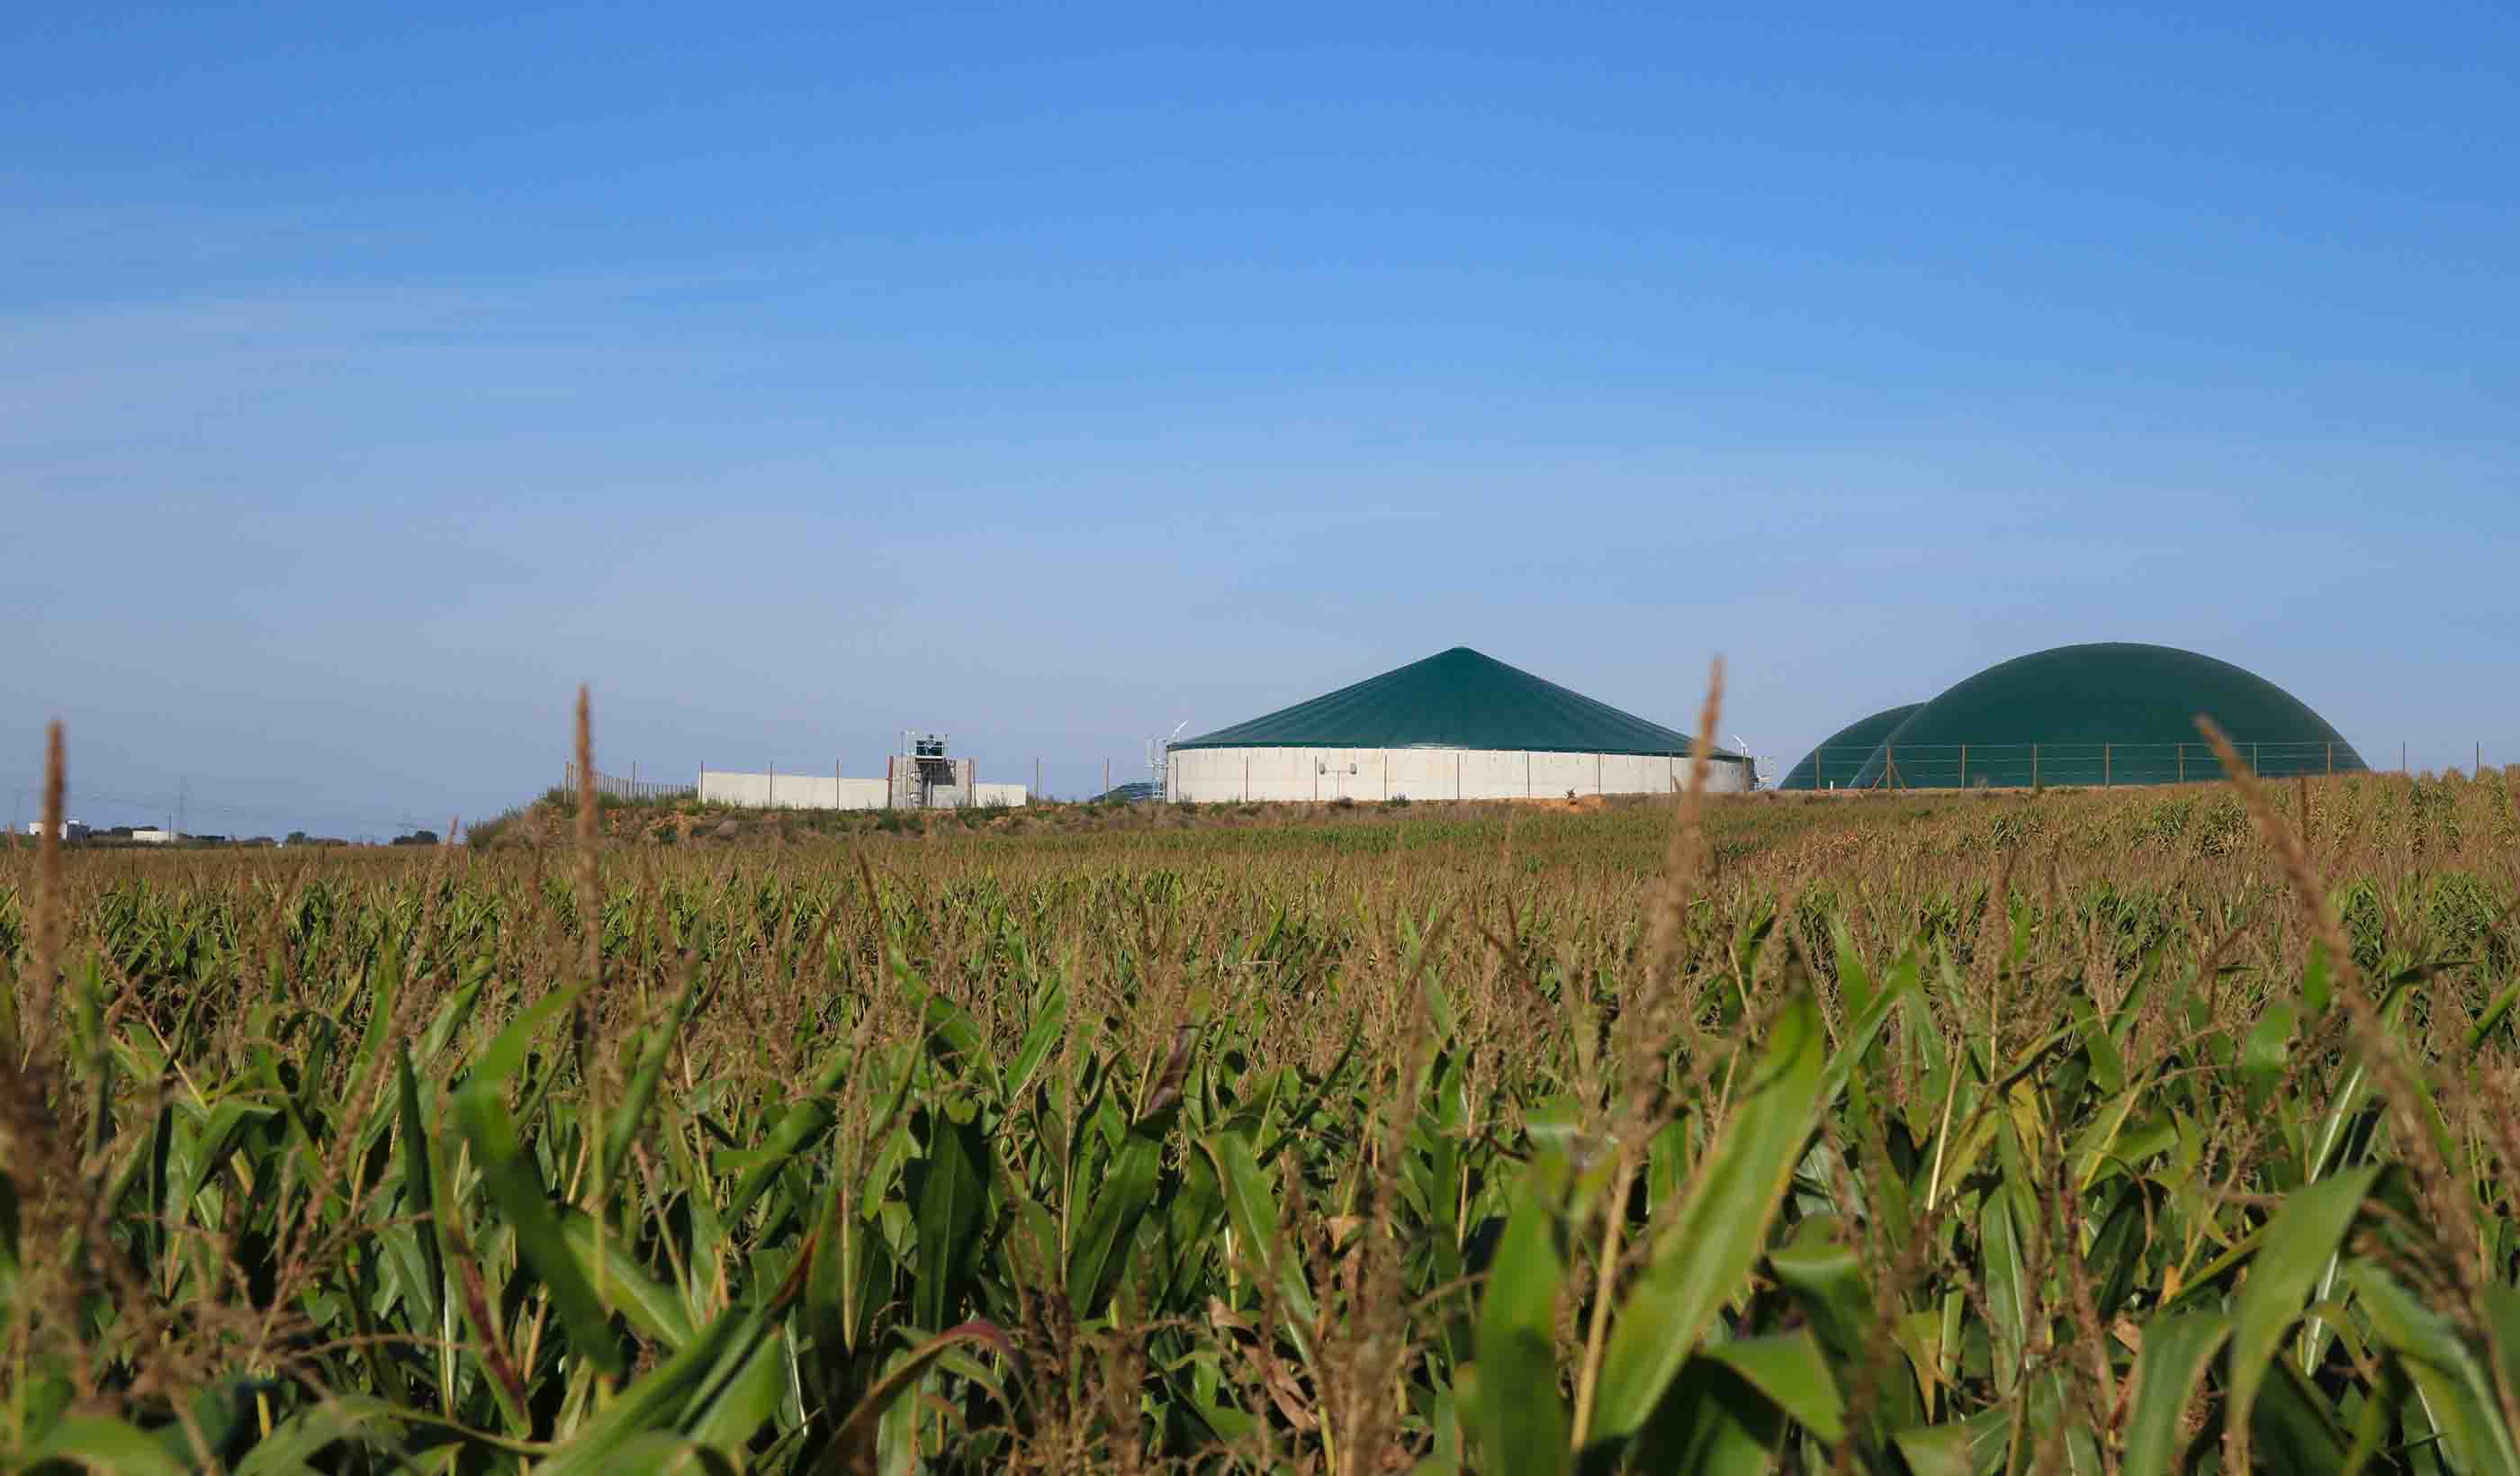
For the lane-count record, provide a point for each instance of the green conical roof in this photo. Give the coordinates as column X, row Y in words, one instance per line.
column 2111, row 712
column 1837, row 758
column 1457, row 699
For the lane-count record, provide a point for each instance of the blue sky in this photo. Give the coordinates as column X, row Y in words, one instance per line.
column 370, row 376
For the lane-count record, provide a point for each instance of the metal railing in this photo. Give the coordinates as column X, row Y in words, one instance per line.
column 614, row 787
column 2100, row 765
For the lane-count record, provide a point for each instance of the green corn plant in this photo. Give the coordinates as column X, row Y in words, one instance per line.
column 2023, row 1136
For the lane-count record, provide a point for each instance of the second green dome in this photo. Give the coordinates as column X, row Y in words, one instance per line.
column 2105, row 713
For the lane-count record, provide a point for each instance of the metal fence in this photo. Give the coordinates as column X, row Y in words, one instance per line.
column 634, row 787
column 2102, row 765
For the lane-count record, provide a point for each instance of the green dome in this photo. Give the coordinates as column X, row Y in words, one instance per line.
column 2110, row 713
column 1835, row 758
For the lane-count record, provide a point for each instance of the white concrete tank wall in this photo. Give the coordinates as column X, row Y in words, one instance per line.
column 1210, row 775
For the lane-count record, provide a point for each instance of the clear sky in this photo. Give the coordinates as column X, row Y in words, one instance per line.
column 371, row 375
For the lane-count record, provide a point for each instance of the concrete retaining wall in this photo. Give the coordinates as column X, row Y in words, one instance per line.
column 822, row 791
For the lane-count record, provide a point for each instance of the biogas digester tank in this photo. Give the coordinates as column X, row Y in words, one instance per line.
column 2107, row 713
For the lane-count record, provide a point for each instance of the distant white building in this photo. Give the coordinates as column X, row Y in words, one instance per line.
column 71, row 829
column 155, row 836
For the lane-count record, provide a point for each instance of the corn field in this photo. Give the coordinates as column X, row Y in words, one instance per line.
column 2146, row 1130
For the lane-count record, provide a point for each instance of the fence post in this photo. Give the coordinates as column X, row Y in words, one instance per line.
column 1964, row 766
column 774, row 786
column 2331, row 761
column 2104, row 766
column 2255, row 768
column 2034, row 766
column 2182, row 763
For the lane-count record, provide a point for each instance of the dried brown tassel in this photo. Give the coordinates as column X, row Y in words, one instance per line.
column 588, row 901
